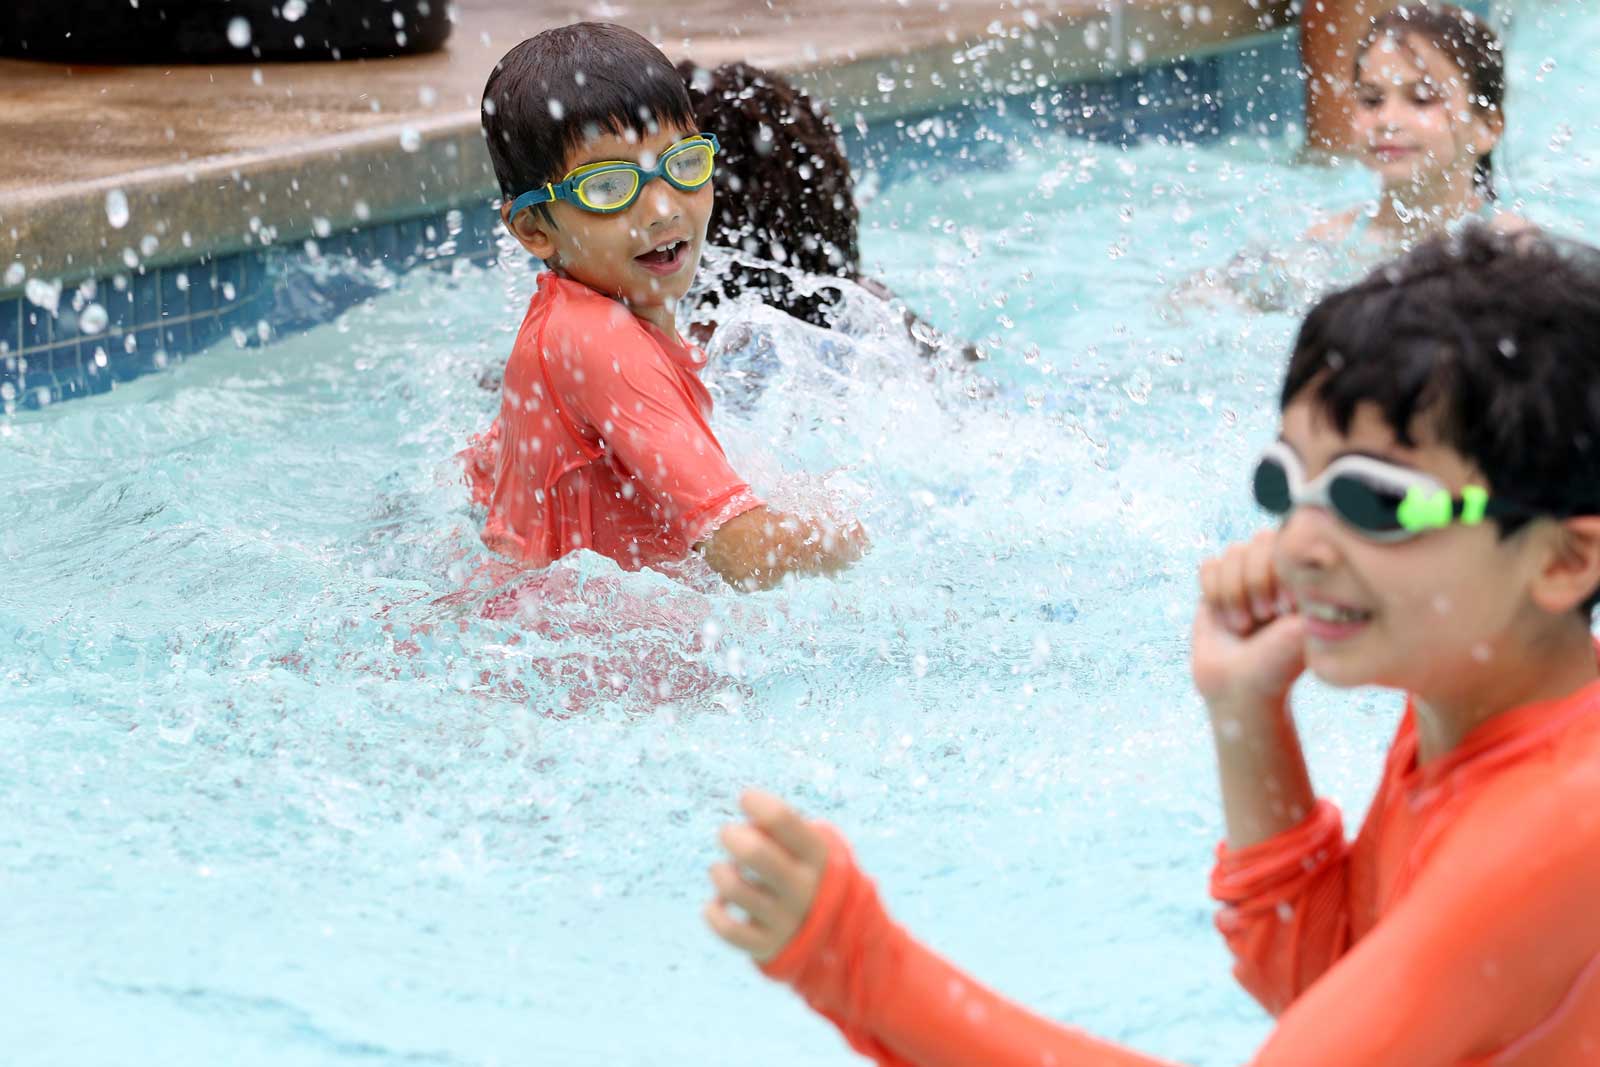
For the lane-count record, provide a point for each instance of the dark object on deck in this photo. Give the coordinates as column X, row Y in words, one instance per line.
column 219, row 31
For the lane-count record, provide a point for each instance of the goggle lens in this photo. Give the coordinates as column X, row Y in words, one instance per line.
column 608, row 190
column 1272, row 487
column 1373, row 508
column 691, row 166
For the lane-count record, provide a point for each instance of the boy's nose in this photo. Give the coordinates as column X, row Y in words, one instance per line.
column 660, row 205
column 1307, row 540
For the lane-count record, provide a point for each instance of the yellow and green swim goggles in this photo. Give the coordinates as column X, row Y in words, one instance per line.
column 607, row 188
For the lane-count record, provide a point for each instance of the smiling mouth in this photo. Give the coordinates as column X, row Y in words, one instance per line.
column 664, row 258
column 1333, row 613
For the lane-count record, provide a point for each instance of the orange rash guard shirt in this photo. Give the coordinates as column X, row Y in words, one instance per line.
column 603, row 440
column 1460, row 929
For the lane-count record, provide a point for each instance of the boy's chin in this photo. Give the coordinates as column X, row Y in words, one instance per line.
column 1341, row 669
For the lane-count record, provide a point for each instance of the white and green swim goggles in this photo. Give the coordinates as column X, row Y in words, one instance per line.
column 1380, row 500
column 610, row 187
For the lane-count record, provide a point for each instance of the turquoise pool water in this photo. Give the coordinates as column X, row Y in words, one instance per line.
column 281, row 782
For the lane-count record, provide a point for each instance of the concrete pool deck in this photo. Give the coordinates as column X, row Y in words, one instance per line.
column 106, row 169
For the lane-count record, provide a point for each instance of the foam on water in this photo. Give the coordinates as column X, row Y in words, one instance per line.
column 292, row 773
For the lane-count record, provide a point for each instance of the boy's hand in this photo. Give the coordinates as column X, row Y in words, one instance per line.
column 776, row 865
column 756, row 549
column 1249, row 644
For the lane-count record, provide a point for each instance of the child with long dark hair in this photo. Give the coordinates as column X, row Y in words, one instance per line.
column 1428, row 112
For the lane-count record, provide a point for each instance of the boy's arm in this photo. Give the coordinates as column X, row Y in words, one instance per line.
column 815, row 922
column 1281, row 877
column 1494, row 948
column 756, row 549
column 652, row 426
column 1285, row 915
column 1247, row 650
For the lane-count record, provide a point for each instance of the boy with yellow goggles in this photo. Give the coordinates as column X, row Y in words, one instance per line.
column 609, row 187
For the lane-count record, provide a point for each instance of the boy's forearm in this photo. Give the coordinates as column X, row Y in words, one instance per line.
column 1266, row 788
column 903, row 1005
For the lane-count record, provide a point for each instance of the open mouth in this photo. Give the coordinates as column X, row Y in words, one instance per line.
column 665, row 258
column 1333, row 622
column 1334, row 613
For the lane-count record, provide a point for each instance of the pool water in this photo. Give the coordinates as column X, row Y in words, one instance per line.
column 287, row 777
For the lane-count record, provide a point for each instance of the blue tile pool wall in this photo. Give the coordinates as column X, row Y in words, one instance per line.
column 153, row 317
column 1254, row 91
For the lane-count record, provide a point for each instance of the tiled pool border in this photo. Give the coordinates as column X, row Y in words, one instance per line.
column 156, row 316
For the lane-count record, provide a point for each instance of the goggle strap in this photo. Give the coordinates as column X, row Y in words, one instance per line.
column 532, row 198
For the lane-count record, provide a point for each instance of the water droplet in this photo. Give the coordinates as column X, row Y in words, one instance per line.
column 148, row 245
column 293, row 10
column 14, row 275
column 239, row 32
column 363, row 212
column 885, row 83
column 43, row 294
column 117, row 208
column 93, row 319
column 410, row 139
column 321, row 226
column 427, row 96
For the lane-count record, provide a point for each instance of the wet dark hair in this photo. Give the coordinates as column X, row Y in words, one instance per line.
column 555, row 90
column 784, row 190
column 1468, row 42
column 1486, row 341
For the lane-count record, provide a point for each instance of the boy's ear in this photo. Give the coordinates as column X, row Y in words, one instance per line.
column 531, row 229
column 1571, row 574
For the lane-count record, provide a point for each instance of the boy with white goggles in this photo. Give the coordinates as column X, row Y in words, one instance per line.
column 1459, row 928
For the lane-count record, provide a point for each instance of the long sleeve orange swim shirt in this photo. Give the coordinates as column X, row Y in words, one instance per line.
column 1460, row 929
column 602, row 441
